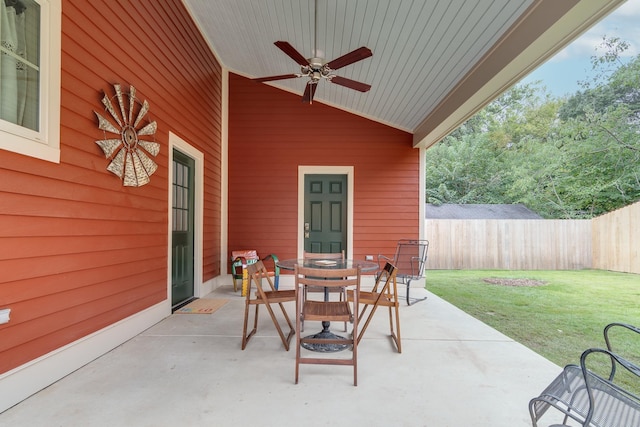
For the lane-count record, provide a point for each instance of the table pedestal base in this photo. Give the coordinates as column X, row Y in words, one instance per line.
column 325, row 334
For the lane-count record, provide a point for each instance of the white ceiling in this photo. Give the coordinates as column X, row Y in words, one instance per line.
column 423, row 50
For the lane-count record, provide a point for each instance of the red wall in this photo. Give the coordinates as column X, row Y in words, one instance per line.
column 271, row 132
column 78, row 251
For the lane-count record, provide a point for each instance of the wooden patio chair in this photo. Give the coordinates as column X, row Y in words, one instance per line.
column 383, row 294
column 410, row 259
column 258, row 275
column 324, row 256
column 327, row 311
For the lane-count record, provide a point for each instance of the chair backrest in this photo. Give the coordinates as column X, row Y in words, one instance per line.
column 411, row 257
column 339, row 277
column 250, row 255
column 323, row 256
column 257, row 272
column 318, row 255
column 388, row 276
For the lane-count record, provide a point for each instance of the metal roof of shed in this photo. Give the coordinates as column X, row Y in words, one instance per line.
column 480, row 211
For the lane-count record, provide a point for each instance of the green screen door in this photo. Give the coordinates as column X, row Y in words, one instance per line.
column 325, row 213
column 182, row 260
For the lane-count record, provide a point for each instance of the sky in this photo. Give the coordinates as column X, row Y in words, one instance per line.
column 562, row 73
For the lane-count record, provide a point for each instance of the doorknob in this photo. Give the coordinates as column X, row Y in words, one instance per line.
column 306, row 230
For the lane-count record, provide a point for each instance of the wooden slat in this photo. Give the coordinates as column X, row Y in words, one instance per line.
column 616, row 237
column 509, row 244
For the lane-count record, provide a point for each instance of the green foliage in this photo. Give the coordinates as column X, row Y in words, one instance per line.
column 465, row 172
column 564, row 158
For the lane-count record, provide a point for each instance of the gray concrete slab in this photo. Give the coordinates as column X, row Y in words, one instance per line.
column 189, row 370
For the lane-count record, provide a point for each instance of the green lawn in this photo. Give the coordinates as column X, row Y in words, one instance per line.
column 558, row 319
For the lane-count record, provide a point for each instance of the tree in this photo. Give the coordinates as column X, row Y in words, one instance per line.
column 564, row 158
column 463, row 170
column 602, row 134
column 481, row 162
column 615, row 82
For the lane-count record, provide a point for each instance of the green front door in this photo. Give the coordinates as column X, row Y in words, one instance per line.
column 325, row 213
column 182, row 260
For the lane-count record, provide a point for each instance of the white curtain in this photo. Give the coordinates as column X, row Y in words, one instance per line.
column 8, row 64
column 18, row 81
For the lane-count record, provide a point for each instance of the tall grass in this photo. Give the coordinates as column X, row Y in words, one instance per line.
column 558, row 320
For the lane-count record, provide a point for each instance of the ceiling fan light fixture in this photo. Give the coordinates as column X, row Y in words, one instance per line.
column 317, row 68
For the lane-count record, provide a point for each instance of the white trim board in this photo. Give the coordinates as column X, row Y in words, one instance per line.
column 23, row 381
column 175, row 142
column 325, row 170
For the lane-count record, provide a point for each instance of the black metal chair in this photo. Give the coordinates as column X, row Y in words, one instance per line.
column 410, row 259
column 594, row 397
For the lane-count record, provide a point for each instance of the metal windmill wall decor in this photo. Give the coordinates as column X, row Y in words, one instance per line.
column 129, row 151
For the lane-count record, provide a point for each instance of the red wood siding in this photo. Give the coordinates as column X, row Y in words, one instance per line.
column 78, row 251
column 271, row 132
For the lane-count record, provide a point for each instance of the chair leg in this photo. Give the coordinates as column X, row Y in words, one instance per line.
column 305, row 293
column 298, row 328
column 244, row 327
column 394, row 331
column 415, row 300
column 285, row 340
column 366, row 323
column 245, row 336
column 343, row 297
column 395, row 334
column 355, row 347
column 292, row 330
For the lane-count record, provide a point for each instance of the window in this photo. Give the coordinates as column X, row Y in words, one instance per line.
column 30, row 77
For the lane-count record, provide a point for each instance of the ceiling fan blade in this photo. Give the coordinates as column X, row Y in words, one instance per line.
column 351, row 84
column 280, row 77
column 292, row 52
column 309, row 92
column 349, row 58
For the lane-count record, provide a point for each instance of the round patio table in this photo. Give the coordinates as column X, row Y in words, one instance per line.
column 332, row 264
column 329, row 264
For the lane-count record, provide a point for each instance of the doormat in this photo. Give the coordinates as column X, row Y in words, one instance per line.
column 202, row 306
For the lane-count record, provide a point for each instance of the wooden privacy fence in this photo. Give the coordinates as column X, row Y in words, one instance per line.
column 517, row 244
column 616, row 240
column 608, row 242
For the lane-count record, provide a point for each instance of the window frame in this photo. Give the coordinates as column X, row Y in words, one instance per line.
column 45, row 143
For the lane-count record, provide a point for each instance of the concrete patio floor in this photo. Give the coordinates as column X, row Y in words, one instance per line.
column 189, row 370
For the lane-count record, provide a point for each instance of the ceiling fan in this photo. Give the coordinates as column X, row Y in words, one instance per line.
column 316, row 68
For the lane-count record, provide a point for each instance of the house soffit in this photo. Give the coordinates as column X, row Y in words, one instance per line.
column 434, row 63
